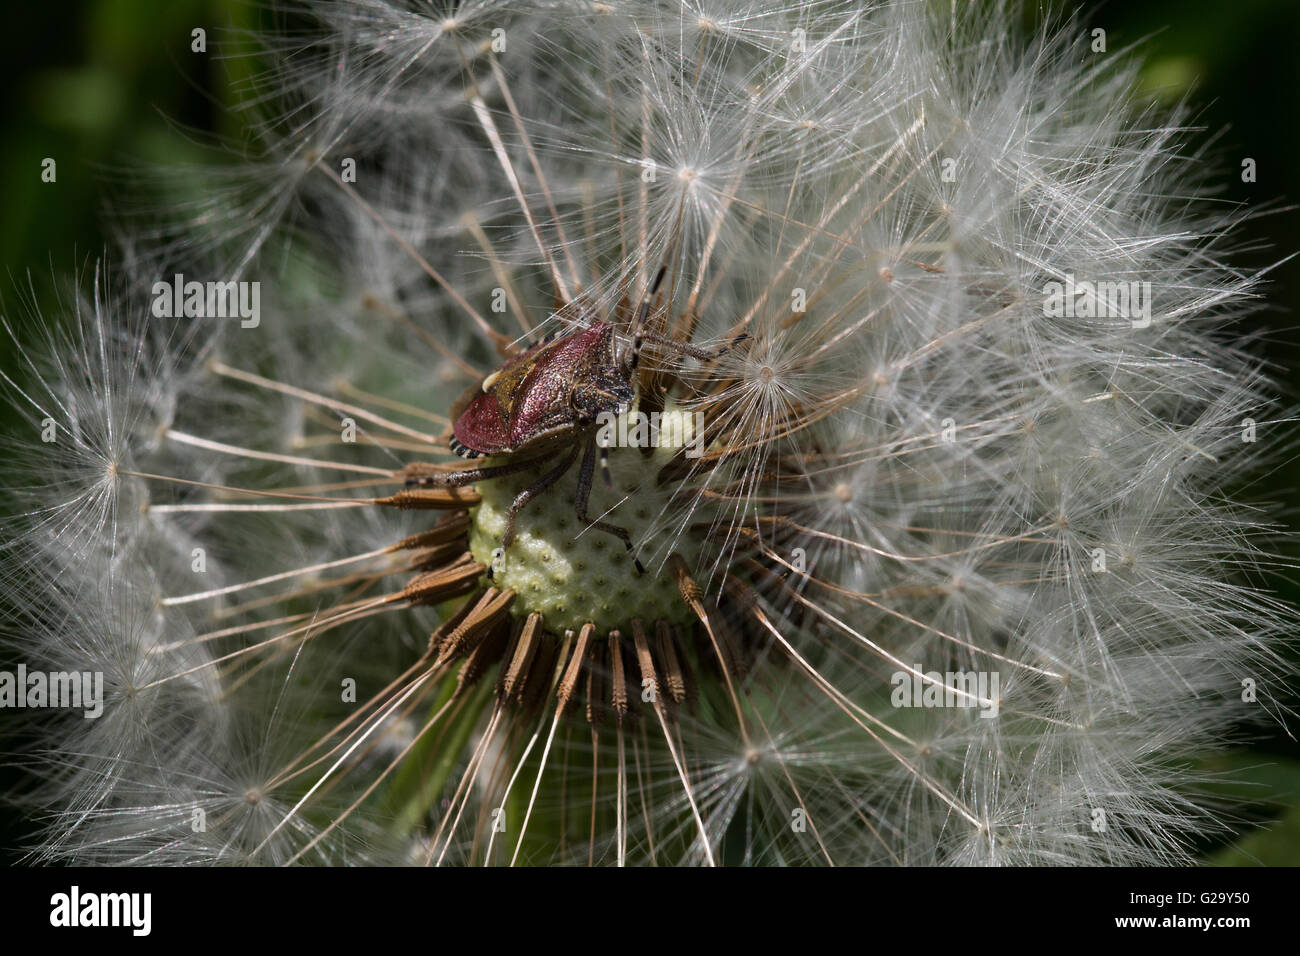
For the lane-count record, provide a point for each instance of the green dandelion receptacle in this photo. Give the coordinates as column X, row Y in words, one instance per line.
column 573, row 575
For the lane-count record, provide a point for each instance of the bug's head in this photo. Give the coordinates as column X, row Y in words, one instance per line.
column 608, row 394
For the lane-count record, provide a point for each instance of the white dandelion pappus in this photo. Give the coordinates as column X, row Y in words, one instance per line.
column 954, row 580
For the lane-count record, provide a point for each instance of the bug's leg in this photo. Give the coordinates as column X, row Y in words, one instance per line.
column 536, row 488
column 455, row 479
column 583, row 420
column 604, row 467
column 584, row 494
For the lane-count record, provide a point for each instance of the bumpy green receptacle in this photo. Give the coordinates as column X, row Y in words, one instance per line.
column 570, row 575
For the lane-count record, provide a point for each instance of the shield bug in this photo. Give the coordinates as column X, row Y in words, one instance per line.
column 544, row 404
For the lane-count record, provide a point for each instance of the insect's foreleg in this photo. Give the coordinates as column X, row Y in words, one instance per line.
column 536, row 488
column 584, row 495
column 417, row 474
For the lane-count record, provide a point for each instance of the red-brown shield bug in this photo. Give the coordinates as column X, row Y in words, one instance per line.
column 545, row 403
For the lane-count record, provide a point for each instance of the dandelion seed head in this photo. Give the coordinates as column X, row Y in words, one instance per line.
column 834, row 227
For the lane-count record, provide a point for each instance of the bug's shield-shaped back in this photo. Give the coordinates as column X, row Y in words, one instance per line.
column 526, row 402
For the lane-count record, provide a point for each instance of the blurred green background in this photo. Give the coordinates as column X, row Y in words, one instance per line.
column 101, row 84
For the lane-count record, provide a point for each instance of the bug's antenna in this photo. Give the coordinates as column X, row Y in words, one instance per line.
column 638, row 328
column 640, row 336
